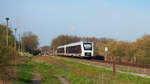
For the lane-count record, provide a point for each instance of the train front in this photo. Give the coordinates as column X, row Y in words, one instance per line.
column 88, row 49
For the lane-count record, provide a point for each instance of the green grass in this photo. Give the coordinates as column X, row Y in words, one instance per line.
column 77, row 73
column 100, row 75
column 46, row 72
column 24, row 76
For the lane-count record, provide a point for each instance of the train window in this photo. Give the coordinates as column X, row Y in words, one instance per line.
column 60, row 50
column 78, row 49
column 87, row 46
column 74, row 49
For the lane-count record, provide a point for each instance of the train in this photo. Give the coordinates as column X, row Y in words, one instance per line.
column 78, row 49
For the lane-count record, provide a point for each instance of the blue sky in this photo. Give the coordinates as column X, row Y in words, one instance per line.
column 124, row 20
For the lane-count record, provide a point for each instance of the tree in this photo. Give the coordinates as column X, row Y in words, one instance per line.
column 64, row 39
column 29, row 41
column 121, row 51
column 5, row 57
column 100, row 44
column 6, row 52
column 3, row 36
column 143, row 50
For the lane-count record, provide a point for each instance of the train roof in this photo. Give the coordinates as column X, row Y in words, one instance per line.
column 72, row 44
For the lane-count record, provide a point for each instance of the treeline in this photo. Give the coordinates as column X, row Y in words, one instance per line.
column 129, row 52
column 137, row 52
column 62, row 40
column 6, row 52
column 66, row 39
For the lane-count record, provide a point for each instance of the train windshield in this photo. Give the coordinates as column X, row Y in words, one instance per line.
column 87, row 46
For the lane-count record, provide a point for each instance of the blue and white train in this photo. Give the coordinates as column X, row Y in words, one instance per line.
column 80, row 49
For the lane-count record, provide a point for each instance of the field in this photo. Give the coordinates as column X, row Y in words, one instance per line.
column 74, row 72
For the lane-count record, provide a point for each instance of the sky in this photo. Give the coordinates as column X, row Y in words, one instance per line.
column 124, row 20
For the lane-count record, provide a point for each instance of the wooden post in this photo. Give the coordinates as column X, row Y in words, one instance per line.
column 15, row 39
column 114, row 67
column 102, row 77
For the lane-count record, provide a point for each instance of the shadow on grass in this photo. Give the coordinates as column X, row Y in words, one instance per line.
column 24, row 76
column 21, row 80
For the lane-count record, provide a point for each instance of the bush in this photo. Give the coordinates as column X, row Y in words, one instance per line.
column 6, row 52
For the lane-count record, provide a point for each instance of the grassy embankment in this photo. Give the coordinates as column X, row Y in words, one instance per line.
column 78, row 73
column 24, row 75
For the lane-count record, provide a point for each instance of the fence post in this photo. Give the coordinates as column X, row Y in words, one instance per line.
column 114, row 67
column 102, row 78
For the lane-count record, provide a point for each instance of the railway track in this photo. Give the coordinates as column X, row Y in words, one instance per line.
column 109, row 62
column 119, row 66
column 123, row 64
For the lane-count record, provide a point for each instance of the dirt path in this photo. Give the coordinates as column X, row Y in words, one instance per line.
column 36, row 79
column 62, row 80
column 52, row 61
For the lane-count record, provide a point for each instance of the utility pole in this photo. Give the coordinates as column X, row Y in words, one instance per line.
column 19, row 43
column 15, row 38
column 7, row 31
column 22, row 49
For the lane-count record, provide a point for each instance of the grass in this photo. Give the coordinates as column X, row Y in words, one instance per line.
column 76, row 73
column 100, row 75
column 24, row 76
column 46, row 72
